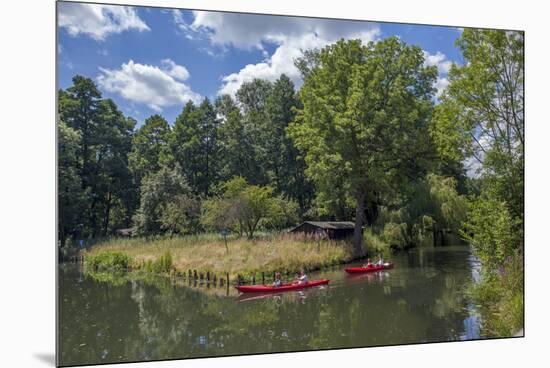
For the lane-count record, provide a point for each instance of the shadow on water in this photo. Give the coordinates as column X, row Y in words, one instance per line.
column 421, row 300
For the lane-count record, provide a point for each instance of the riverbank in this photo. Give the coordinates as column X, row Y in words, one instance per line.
column 500, row 300
column 208, row 255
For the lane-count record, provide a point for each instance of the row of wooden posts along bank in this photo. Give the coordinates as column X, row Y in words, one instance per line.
column 213, row 278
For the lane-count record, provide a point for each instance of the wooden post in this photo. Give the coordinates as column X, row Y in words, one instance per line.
column 190, row 274
column 195, row 276
column 208, row 276
column 227, row 277
column 263, row 279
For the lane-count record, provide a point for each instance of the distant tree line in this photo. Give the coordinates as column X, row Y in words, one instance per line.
column 157, row 177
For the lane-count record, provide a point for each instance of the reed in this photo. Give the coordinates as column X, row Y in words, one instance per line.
column 207, row 253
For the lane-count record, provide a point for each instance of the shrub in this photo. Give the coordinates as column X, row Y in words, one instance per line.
column 373, row 241
column 107, row 262
column 163, row 264
column 490, row 229
column 500, row 298
column 395, row 235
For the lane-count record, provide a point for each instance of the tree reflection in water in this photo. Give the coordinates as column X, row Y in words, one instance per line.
column 420, row 300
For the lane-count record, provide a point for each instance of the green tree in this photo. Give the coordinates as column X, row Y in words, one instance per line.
column 490, row 229
column 195, row 146
column 284, row 166
column 481, row 118
column 160, row 192
column 245, row 207
column 112, row 184
column 150, row 146
column 181, row 215
column 71, row 197
column 364, row 119
column 252, row 98
column 101, row 158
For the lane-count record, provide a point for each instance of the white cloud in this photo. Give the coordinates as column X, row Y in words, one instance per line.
column 282, row 61
column 443, row 65
column 440, row 84
column 438, row 59
column 153, row 86
column 98, row 21
column 255, row 32
column 175, row 70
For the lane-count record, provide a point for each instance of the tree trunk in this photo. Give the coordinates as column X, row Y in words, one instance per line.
column 358, row 231
column 107, row 214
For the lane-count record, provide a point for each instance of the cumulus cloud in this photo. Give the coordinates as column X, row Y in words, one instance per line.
column 98, row 21
column 440, row 84
column 440, row 60
column 281, row 61
column 443, row 65
column 154, row 86
column 175, row 70
column 255, row 32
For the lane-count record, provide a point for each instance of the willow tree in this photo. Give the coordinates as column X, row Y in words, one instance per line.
column 363, row 124
column 481, row 118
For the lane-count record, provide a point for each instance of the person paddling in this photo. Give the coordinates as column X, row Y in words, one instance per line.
column 380, row 260
column 302, row 279
column 368, row 264
column 278, row 282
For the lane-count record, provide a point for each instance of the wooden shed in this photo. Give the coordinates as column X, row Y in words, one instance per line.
column 330, row 229
column 125, row 232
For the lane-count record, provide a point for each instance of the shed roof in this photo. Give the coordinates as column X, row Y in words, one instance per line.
column 328, row 224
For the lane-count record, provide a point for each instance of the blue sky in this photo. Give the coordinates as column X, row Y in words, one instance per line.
column 152, row 60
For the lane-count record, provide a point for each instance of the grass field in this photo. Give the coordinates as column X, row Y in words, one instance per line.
column 207, row 253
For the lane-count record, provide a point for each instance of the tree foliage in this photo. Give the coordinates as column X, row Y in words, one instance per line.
column 167, row 204
column 481, row 119
column 244, row 207
column 100, row 160
column 364, row 116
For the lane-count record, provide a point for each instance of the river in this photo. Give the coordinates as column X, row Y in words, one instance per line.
column 420, row 300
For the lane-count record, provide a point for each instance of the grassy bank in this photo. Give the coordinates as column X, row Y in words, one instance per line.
column 208, row 253
column 499, row 298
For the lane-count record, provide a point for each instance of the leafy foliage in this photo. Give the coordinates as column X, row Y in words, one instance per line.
column 108, row 262
column 245, row 207
column 490, row 229
column 167, row 204
column 363, row 121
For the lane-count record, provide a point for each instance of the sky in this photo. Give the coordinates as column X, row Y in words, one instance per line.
column 154, row 60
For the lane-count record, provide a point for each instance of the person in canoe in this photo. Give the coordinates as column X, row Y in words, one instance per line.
column 380, row 261
column 278, row 282
column 368, row 264
column 302, row 278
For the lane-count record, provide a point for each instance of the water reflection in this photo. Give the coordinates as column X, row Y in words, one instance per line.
column 420, row 300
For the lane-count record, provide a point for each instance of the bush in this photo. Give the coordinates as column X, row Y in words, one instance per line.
column 490, row 229
column 395, row 235
column 163, row 264
column 500, row 299
column 373, row 241
column 107, row 262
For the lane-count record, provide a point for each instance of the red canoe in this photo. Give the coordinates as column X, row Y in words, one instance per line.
column 284, row 287
column 369, row 269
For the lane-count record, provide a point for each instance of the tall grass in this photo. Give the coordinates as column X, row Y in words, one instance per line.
column 500, row 299
column 207, row 253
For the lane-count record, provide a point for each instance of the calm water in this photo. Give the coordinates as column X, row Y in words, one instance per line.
column 420, row 300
